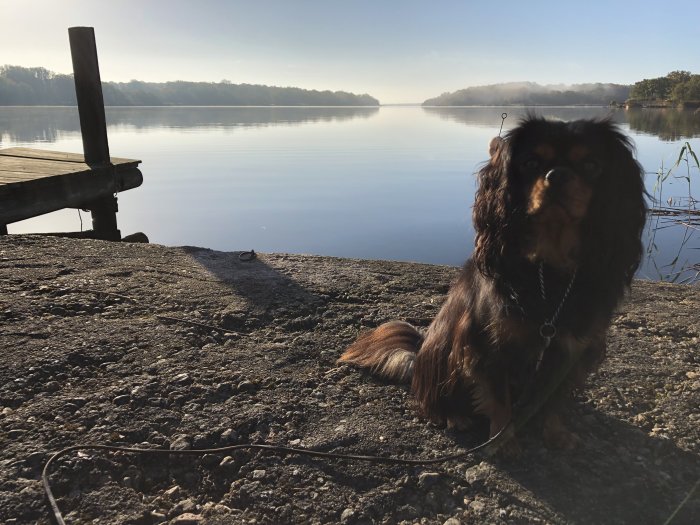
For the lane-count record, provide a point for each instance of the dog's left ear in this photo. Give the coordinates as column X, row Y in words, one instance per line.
column 619, row 209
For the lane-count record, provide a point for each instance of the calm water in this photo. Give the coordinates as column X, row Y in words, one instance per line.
column 381, row 183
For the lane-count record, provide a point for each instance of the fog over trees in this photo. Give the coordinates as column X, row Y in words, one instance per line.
column 21, row 86
column 533, row 94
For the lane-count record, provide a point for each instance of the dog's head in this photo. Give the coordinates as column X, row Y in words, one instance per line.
column 568, row 194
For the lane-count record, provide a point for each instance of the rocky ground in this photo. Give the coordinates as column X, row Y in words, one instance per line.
column 142, row 345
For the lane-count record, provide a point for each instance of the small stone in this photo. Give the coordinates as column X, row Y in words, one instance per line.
column 15, row 433
column 181, row 379
column 35, row 459
column 157, row 517
column 347, row 515
column 181, row 443
column 122, row 400
column 223, row 389
column 428, row 479
column 52, row 386
column 246, row 386
column 201, row 441
column 173, row 492
column 452, row 521
column 477, row 506
column 129, row 482
column 227, row 462
column 477, row 473
column 70, row 407
column 209, row 460
column 229, row 436
column 186, row 506
column 187, row 519
column 259, row 474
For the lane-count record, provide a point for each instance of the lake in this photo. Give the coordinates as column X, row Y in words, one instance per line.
column 395, row 182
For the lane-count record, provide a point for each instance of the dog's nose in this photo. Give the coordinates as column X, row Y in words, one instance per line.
column 559, row 175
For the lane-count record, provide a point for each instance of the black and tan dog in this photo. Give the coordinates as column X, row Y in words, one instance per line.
column 558, row 216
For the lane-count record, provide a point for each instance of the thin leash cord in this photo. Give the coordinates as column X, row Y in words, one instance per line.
column 248, row 446
column 504, row 116
column 527, row 406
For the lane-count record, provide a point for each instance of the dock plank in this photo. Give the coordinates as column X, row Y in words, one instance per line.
column 34, row 182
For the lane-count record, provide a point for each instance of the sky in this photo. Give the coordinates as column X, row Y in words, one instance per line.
column 399, row 51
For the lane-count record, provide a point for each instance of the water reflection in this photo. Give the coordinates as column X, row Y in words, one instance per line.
column 491, row 116
column 390, row 183
column 41, row 124
column 668, row 124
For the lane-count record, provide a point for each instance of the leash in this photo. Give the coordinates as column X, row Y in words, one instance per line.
column 249, row 446
column 529, row 408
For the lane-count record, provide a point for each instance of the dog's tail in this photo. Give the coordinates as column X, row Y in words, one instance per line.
column 388, row 351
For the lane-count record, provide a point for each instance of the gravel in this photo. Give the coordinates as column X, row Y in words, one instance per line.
column 188, row 348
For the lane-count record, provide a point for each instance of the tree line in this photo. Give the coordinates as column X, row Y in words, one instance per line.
column 20, row 86
column 678, row 87
column 533, row 94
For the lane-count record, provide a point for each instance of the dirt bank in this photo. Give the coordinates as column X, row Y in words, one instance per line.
column 185, row 347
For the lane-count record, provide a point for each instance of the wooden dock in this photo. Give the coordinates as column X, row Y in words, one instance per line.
column 34, row 182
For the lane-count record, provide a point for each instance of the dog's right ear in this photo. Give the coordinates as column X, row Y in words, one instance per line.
column 490, row 212
column 494, row 147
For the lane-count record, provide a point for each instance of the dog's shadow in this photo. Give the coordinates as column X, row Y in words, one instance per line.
column 618, row 474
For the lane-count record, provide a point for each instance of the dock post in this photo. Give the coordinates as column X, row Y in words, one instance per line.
column 93, row 125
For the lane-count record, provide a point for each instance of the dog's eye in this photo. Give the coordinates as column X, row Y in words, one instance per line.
column 591, row 168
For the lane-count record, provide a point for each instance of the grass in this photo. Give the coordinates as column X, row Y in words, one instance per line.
column 676, row 212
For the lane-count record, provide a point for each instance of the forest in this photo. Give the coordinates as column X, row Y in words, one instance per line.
column 20, row 86
column 533, row 94
column 678, row 88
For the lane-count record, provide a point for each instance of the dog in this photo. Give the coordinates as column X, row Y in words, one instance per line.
column 558, row 215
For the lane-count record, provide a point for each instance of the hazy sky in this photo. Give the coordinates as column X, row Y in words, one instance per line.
column 395, row 50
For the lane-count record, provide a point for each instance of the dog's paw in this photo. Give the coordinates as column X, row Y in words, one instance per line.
column 505, row 445
column 507, row 449
column 459, row 424
column 556, row 436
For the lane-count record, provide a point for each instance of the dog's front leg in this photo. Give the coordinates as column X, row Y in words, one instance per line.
column 493, row 400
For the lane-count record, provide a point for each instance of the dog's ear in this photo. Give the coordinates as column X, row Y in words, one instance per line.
column 618, row 211
column 491, row 205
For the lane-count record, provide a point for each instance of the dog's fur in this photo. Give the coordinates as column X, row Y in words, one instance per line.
column 484, row 345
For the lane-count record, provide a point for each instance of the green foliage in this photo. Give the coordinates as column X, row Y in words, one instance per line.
column 677, row 86
column 38, row 86
column 687, row 91
column 678, row 211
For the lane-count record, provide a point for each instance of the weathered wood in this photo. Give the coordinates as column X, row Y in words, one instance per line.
column 88, row 90
column 35, row 190
column 62, row 156
column 93, row 124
